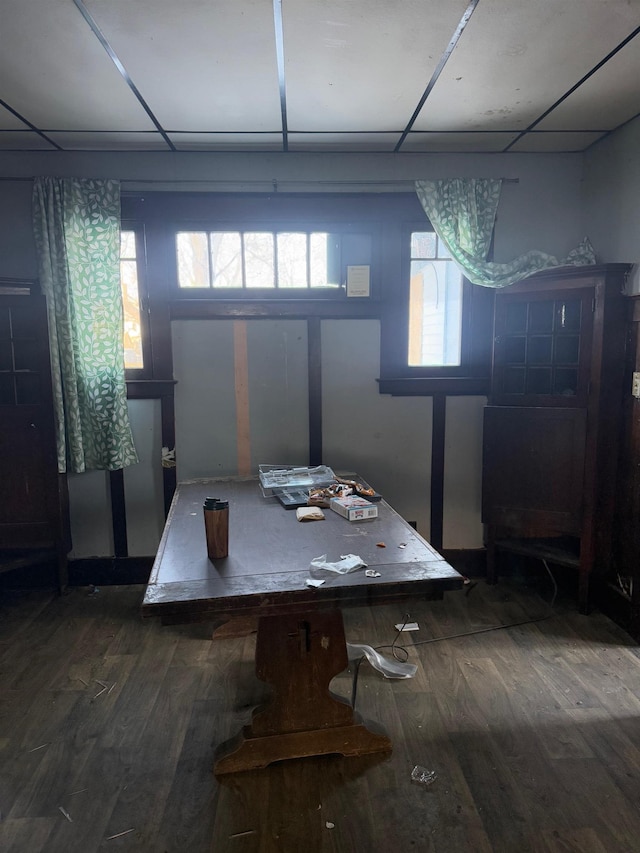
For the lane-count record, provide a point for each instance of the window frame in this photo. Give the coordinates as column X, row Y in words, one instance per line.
column 388, row 217
column 145, row 372
column 472, row 375
column 305, row 224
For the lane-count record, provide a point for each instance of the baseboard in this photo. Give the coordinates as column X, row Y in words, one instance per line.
column 470, row 562
column 109, row 571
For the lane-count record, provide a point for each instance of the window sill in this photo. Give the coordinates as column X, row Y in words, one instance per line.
column 427, row 386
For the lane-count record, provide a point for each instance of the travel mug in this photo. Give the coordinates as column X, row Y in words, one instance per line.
column 216, row 526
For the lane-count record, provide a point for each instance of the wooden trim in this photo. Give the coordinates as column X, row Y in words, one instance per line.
column 292, row 309
column 108, row 571
column 428, row 386
column 314, row 344
column 241, row 377
column 470, row 562
column 168, row 437
column 149, row 389
column 438, row 434
column 118, row 513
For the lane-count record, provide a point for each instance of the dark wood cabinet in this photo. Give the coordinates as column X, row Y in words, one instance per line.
column 552, row 426
column 34, row 524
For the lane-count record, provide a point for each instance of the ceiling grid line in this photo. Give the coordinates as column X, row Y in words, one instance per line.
column 123, row 71
column 279, row 39
column 438, row 70
column 574, row 88
column 28, row 123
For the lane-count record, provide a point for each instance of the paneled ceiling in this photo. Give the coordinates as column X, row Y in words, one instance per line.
column 317, row 75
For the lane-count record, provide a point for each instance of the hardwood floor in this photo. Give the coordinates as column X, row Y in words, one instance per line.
column 108, row 725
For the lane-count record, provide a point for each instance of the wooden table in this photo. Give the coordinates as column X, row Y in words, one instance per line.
column 300, row 642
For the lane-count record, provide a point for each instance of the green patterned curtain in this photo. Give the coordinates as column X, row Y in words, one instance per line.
column 463, row 212
column 77, row 232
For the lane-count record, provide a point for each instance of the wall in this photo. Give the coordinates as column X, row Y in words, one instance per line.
column 386, row 438
column 610, row 198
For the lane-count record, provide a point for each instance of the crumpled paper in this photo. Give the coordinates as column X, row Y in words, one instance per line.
column 347, row 563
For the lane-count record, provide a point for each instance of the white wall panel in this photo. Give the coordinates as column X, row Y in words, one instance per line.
column 278, row 392
column 611, row 194
column 387, row 440
column 462, row 527
column 90, row 507
column 143, row 482
column 204, row 398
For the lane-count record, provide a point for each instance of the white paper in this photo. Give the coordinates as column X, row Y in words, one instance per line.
column 408, row 626
column 346, row 563
column 358, row 280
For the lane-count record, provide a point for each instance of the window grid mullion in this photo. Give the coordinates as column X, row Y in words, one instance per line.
column 243, row 265
column 209, row 261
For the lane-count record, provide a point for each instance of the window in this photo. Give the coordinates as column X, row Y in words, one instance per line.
column 435, row 304
column 264, row 259
column 436, row 333
column 133, row 298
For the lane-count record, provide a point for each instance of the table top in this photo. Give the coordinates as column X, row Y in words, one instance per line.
column 269, row 556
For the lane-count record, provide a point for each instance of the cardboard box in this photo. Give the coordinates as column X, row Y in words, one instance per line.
column 354, row 508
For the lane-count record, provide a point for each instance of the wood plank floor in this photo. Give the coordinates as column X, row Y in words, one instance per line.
column 108, row 725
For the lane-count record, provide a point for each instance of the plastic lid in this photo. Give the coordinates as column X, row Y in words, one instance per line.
column 215, row 503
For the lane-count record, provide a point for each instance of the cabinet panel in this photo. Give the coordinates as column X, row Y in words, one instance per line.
column 533, row 467
column 553, row 427
column 33, row 511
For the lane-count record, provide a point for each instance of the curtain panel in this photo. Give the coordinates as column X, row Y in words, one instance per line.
column 463, row 214
column 77, row 233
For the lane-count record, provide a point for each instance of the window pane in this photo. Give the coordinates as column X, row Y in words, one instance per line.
column 443, row 252
column 259, row 259
column 133, row 359
column 292, row 260
column 127, row 244
column 25, row 355
column 435, row 314
column 423, row 244
column 193, row 259
column 6, row 355
column 7, row 390
column 541, row 316
column 226, row 259
column 28, row 388
column 318, row 254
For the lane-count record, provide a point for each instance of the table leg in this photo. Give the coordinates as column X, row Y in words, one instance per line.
column 298, row 655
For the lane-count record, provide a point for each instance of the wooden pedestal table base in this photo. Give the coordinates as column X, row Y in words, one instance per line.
column 298, row 655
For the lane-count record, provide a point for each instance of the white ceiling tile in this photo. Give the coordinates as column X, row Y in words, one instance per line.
column 355, row 72
column 27, row 140
column 55, row 73
column 362, row 65
column 343, row 141
column 569, row 141
column 516, row 58
column 460, row 142
column 607, row 99
column 227, row 141
column 109, row 141
column 200, row 66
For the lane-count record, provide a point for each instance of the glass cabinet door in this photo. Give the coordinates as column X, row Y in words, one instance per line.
column 542, row 348
column 21, row 359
